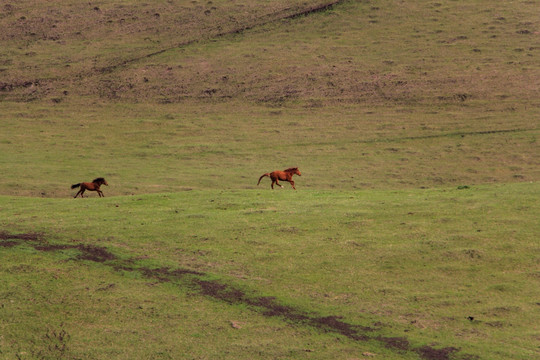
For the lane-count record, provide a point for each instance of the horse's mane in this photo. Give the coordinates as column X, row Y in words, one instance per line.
column 100, row 179
column 290, row 169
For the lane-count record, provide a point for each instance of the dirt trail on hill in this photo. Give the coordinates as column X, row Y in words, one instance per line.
column 208, row 34
column 265, row 305
column 261, row 21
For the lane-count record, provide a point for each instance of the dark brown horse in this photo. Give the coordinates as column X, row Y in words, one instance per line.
column 91, row 186
column 285, row 175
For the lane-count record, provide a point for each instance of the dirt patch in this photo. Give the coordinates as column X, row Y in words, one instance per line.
column 221, row 292
column 266, row 305
column 24, row 236
column 95, row 253
column 425, row 352
column 11, row 240
column 8, row 243
column 270, row 307
column 343, row 328
column 87, row 252
column 395, row 342
column 429, row 353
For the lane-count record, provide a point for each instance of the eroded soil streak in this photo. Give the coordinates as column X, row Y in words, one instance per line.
column 266, row 305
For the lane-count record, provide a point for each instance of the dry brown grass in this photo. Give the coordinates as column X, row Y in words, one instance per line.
column 355, row 53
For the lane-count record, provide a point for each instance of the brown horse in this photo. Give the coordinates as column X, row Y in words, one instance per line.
column 92, row 186
column 285, row 175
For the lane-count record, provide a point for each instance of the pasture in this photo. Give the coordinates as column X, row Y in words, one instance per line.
column 413, row 233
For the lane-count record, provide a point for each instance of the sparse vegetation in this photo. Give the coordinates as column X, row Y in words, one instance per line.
column 413, row 233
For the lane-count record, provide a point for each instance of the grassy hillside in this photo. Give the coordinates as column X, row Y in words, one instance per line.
column 146, row 148
column 413, row 233
column 430, row 274
column 361, row 95
column 354, row 52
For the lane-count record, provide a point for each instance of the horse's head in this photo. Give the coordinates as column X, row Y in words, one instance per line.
column 100, row 181
column 294, row 171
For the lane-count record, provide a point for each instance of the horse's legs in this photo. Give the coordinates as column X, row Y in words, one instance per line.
column 79, row 192
column 278, row 184
column 100, row 193
column 292, row 184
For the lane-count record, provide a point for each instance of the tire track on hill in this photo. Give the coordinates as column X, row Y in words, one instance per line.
column 202, row 284
column 283, row 14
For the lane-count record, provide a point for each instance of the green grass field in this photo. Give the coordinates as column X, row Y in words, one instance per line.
column 414, row 230
column 411, row 265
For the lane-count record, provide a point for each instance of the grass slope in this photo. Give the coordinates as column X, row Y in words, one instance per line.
column 150, row 148
column 393, row 273
column 355, row 52
column 361, row 95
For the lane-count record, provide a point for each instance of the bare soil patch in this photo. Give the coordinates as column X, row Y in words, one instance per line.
column 427, row 352
column 266, row 305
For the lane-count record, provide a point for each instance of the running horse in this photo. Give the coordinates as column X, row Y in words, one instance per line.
column 285, row 175
column 91, row 186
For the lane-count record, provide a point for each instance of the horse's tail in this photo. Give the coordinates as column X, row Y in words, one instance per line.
column 267, row 174
column 75, row 185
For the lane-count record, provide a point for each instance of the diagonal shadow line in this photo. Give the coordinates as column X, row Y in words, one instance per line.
column 451, row 134
column 263, row 20
column 419, row 137
column 201, row 283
